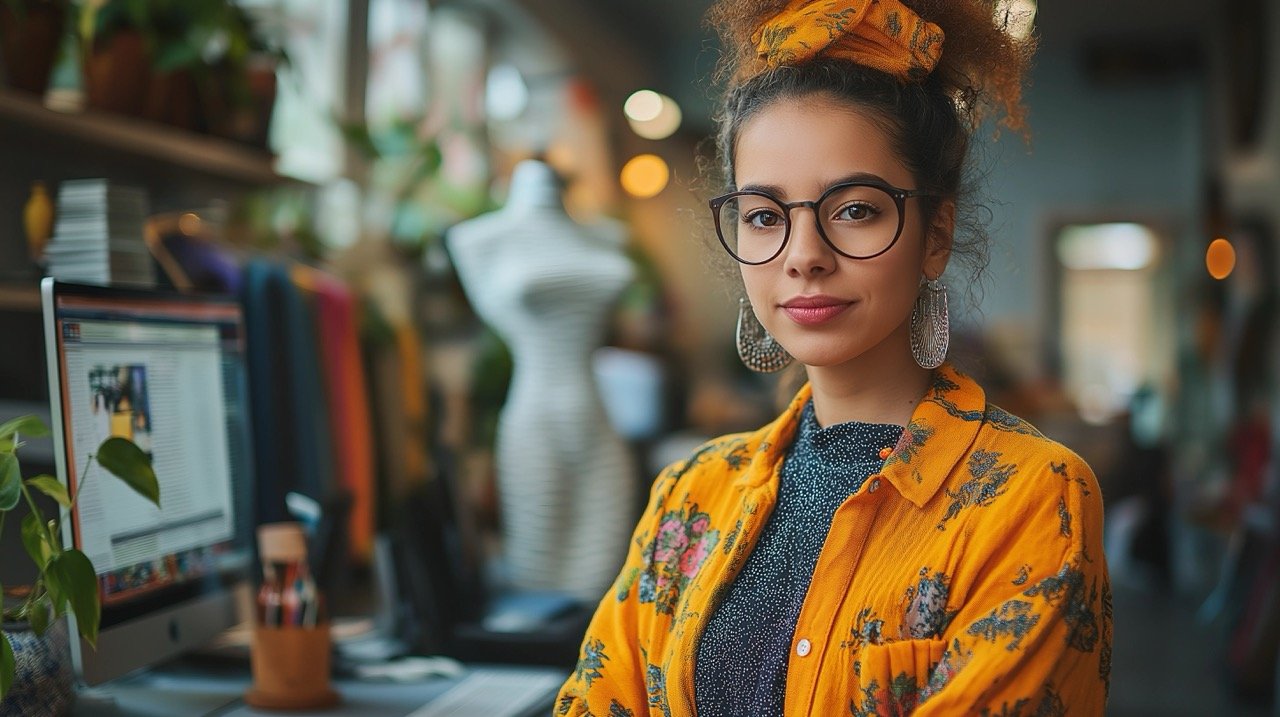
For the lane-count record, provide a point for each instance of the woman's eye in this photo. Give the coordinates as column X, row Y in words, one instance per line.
column 856, row 212
column 764, row 219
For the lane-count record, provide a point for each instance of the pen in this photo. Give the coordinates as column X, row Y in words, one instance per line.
column 289, row 596
column 311, row 604
column 271, row 608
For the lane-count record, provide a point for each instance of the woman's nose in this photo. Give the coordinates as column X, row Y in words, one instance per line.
column 807, row 252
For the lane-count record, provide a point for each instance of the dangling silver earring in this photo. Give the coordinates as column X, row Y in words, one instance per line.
column 930, row 324
column 758, row 350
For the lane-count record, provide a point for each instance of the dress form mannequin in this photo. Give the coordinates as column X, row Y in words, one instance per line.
column 545, row 284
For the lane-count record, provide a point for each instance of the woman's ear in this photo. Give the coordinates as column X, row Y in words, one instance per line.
column 938, row 239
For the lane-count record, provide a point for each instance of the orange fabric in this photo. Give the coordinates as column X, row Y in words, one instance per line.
column 966, row 577
column 417, row 461
column 882, row 34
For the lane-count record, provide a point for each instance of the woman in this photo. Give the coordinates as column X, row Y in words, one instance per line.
column 891, row 544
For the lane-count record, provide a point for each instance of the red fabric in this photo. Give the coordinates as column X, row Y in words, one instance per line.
column 1250, row 446
column 349, row 418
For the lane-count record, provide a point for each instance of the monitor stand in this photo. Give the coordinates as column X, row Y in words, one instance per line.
column 392, row 620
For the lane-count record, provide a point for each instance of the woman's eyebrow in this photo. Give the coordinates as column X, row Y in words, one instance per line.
column 774, row 190
column 855, row 177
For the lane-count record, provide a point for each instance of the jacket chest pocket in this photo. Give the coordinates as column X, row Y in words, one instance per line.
column 894, row 676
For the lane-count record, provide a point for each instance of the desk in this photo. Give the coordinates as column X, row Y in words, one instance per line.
column 188, row 692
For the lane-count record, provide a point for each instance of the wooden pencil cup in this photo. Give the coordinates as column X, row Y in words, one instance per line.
column 290, row 668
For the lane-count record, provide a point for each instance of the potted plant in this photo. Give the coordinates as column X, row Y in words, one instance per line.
column 184, row 36
column 116, row 53
column 31, row 34
column 199, row 65
column 34, row 644
column 242, row 93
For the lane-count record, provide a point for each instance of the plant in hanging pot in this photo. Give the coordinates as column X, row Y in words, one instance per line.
column 35, row 677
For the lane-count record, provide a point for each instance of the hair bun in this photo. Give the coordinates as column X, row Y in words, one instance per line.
column 982, row 67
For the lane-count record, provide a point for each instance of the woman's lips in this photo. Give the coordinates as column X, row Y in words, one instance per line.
column 811, row 311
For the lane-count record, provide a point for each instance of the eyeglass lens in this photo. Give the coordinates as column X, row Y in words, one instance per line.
column 858, row 220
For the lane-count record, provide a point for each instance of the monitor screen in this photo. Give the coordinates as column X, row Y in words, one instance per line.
column 166, row 371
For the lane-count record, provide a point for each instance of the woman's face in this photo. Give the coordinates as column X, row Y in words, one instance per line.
column 824, row 308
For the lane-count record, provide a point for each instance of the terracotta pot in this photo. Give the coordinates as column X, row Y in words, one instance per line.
column 262, row 88
column 43, row 678
column 117, row 73
column 240, row 107
column 173, row 98
column 30, row 42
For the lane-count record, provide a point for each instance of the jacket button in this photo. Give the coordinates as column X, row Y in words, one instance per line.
column 803, row 647
column 875, row 485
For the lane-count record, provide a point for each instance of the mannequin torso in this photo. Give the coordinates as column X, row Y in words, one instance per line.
column 545, row 285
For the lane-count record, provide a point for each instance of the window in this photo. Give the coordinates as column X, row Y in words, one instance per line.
column 1112, row 339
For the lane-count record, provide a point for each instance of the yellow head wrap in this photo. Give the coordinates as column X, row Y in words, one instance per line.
column 881, row 34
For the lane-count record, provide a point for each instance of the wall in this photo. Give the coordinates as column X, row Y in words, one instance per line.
column 1123, row 150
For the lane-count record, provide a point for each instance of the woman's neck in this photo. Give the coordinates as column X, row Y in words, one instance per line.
column 881, row 386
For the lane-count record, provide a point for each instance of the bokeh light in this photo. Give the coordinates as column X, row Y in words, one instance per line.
column 1220, row 259
column 643, row 105
column 189, row 224
column 506, row 95
column 661, row 126
column 645, row 175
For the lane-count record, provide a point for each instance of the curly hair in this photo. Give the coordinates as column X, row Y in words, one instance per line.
column 930, row 122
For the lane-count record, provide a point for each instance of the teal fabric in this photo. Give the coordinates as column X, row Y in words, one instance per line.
column 287, row 396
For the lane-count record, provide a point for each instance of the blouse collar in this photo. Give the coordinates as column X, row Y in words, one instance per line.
column 941, row 430
column 843, row 446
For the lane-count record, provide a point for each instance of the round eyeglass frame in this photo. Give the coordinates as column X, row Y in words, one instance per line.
column 899, row 195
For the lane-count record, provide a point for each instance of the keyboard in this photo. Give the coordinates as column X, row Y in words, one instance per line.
column 488, row 692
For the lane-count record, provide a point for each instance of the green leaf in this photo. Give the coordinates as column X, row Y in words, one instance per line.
column 51, row 487
column 88, row 21
column 10, row 481
column 359, row 139
column 127, row 462
column 57, row 597
column 75, row 575
column 25, row 425
column 176, row 56
column 36, row 540
column 7, row 665
column 38, row 615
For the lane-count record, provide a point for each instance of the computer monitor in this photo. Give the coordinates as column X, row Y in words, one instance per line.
column 168, row 372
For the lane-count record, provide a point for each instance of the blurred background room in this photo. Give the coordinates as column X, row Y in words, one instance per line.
column 333, row 162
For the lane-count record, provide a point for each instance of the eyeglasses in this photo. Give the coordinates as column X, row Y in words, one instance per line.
column 858, row 220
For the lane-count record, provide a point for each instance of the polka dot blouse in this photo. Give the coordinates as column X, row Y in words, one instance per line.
column 742, row 657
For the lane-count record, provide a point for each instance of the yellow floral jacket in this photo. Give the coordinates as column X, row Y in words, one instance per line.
column 965, row 577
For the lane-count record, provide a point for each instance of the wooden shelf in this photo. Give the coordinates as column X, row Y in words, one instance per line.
column 21, row 297
column 212, row 156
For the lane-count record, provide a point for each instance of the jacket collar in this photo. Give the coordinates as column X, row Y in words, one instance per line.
column 939, row 434
column 942, row 428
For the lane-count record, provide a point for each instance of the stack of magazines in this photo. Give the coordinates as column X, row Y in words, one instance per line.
column 99, row 235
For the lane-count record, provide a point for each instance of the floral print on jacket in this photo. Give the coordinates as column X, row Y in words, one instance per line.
column 965, row 577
